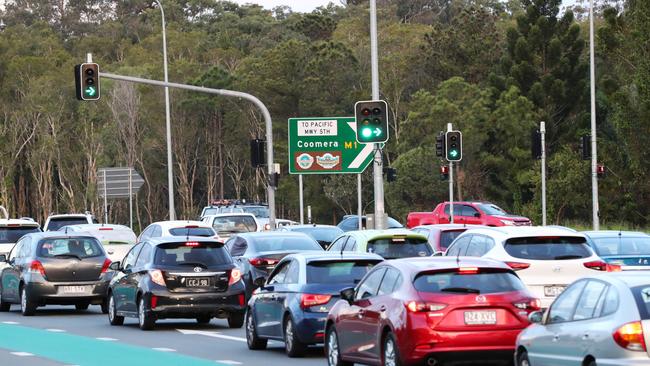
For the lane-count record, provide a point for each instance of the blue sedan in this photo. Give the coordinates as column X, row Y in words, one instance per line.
column 628, row 249
column 292, row 304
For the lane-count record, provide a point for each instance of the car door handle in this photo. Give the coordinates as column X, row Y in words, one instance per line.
column 556, row 338
column 382, row 308
column 585, row 336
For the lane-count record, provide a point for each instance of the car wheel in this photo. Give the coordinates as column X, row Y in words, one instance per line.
column 522, row 359
column 203, row 319
column 292, row 345
column 252, row 340
column 81, row 306
column 332, row 349
column 4, row 306
column 236, row 320
column 113, row 318
column 390, row 353
column 104, row 306
column 27, row 306
column 145, row 320
column 592, row 363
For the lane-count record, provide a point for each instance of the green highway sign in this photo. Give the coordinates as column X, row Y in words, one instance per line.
column 326, row 145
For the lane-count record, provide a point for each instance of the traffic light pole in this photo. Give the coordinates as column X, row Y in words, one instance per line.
column 542, row 131
column 451, row 185
column 226, row 93
column 594, row 155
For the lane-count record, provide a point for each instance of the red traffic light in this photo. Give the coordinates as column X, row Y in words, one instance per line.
column 365, row 112
column 444, row 170
column 600, row 170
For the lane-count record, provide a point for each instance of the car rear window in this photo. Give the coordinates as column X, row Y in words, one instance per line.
column 278, row 243
column 548, row 248
column 446, row 237
column 259, row 211
column 400, row 247
column 622, row 246
column 13, row 234
column 320, row 234
column 55, row 224
column 642, row 297
column 481, row 282
column 338, row 271
column 69, row 247
column 191, row 254
column 234, row 224
column 193, row 231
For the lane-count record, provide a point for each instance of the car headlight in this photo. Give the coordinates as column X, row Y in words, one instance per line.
column 508, row 222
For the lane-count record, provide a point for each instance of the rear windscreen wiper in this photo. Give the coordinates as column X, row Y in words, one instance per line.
column 571, row 256
column 66, row 255
column 461, row 289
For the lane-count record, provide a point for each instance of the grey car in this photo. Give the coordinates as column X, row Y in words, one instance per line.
column 597, row 320
column 55, row 268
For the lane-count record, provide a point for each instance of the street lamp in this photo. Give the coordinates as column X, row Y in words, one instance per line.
column 170, row 166
column 3, row 26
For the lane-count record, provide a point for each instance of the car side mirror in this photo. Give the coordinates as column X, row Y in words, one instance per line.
column 347, row 294
column 115, row 266
column 477, row 215
column 536, row 317
column 259, row 281
column 3, row 258
column 438, row 254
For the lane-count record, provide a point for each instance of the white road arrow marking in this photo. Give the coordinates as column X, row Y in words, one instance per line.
column 229, row 362
column 22, row 354
column 363, row 154
column 211, row 334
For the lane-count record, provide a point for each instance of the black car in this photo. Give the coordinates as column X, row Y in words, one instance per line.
column 172, row 277
column 258, row 253
column 323, row 234
column 55, row 268
column 351, row 223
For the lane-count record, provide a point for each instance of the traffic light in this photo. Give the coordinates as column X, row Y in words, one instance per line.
column 372, row 121
column 454, row 145
column 536, row 144
column 444, row 172
column 600, row 170
column 585, row 146
column 87, row 81
column 257, row 153
column 391, row 174
column 440, row 145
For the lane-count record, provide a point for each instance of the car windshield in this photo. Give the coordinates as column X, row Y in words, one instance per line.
column 210, row 211
column 548, row 248
column 234, row 224
column 400, row 247
column 622, row 246
column 473, row 282
column 338, row 271
column 279, row 243
column 320, row 234
column 394, row 224
column 57, row 223
column 69, row 247
column 192, row 231
column 446, row 237
column 191, row 254
column 258, row 211
column 491, row 209
column 12, row 234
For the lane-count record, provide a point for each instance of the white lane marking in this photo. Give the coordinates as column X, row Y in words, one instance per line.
column 229, row 362
column 211, row 334
column 107, row 339
column 22, row 354
column 54, row 330
column 163, row 349
column 10, row 323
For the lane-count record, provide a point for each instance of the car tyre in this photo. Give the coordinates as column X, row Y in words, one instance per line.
column 27, row 305
column 252, row 340
column 390, row 352
column 104, row 306
column 236, row 320
column 292, row 345
column 4, row 306
column 332, row 349
column 82, row 306
column 522, row 358
column 113, row 318
column 203, row 319
column 146, row 321
column 592, row 363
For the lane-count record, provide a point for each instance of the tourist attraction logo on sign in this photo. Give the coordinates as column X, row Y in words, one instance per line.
column 326, row 145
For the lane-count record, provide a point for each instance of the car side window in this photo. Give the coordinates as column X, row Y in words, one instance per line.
column 589, row 300
column 15, row 252
column 478, row 246
column 146, row 233
column 611, row 302
column 293, row 272
column 129, row 260
column 144, row 255
column 468, row 210
column 390, row 282
column 370, row 286
column 459, row 247
column 338, row 244
column 25, row 249
column 563, row 307
column 238, row 247
column 447, row 211
column 157, row 231
column 351, row 245
column 278, row 277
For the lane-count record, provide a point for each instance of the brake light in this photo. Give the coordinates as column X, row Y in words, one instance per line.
column 263, row 261
column 242, row 300
column 420, row 307
column 602, row 266
column 157, row 277
column 468, row 270
column 191, row 227
column 630, row 336
column 235, row 276
column 267, row 227
column 107, row 263
column 529, row 305
column 518, row 266
column 105, row 228
column 309, row 300
column 37, row 267
column 154, row 301
column 192, row 244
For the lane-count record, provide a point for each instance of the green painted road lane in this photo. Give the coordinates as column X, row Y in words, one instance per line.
column 76, row 350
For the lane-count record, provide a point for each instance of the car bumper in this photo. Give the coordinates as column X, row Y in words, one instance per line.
column 190, row 305
column 629, row 359
column 53, row 293
column 310, row 327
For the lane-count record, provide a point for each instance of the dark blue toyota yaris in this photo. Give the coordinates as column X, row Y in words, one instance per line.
column 292, row 304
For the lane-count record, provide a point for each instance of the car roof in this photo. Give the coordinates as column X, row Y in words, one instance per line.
column 614, row 233
column 316, row 256
column 18, row 222
column 96, row 227
column 279, row 234
column 178, row 239
column 420, row 264
column 443, row 227
column 230, row 214
column 58, row 234
column 180, row 223
column 524, row 231
column 629, row 278
column 313, row 226
column 374, row 234
column 58, row 216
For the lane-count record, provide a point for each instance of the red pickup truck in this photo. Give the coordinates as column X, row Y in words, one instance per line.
column 474, row 213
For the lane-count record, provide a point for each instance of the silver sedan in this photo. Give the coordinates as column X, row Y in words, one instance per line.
column 598, row 320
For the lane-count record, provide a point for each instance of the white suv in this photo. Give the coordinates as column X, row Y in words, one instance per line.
column 546, row 259
column 228, row 224
column 55, row 222
column 13, row 229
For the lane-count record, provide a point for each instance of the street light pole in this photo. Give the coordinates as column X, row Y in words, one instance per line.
column 594, row 157
column 170, row 166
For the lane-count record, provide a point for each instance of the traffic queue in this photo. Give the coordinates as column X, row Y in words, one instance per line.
column 435, row 295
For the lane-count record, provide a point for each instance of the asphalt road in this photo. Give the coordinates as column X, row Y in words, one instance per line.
column 61, row 335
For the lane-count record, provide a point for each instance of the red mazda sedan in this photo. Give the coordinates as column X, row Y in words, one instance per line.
column 429, row 310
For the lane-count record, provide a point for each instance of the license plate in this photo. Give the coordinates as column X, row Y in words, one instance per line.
column 553, row 291
column 73, row 289
column 480, row 317
column 197, row 282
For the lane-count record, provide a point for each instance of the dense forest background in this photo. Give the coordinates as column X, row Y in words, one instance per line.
column 494, row 69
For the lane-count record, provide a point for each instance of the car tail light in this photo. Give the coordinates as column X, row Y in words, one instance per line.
column 191, row 227
column 518, row 266
column 267, row 227
column 602, row 266
column 154, row 301
column 242, row 299
column 263, row 261
column 235, row 276
column 107, row 263
column 192, row 244
column 420, row 307
column 529, row 305
column 157, row 277
column 37, row 267
column 309, row 300
column 630, row 336
column 468, row 270
column 105, row 228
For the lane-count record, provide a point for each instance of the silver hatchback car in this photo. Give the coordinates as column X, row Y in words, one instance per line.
column 598, row 320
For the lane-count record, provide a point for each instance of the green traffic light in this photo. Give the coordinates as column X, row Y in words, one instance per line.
column 366, row 132
column 90, row 91
column 453, row 153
